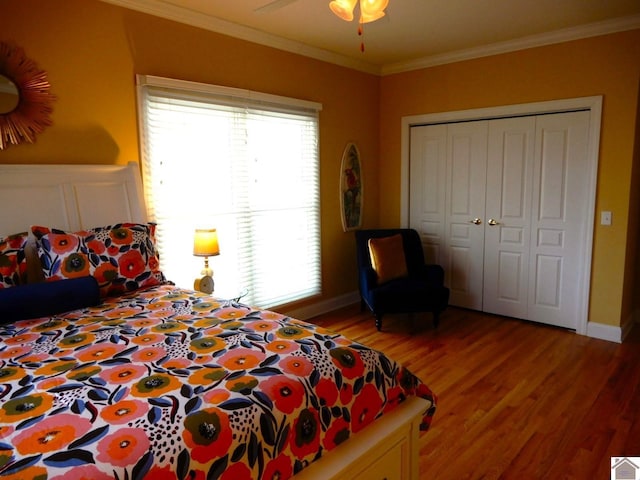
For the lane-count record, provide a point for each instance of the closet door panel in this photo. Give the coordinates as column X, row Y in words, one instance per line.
column 508, row 211
column 465, row 212
column 558, row 218
column 427, row 188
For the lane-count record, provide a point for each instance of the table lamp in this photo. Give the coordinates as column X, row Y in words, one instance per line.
column 205, row 244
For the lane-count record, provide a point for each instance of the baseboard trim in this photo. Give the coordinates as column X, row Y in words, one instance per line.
column 626, row 329
column 324, row 306
column 609, row 332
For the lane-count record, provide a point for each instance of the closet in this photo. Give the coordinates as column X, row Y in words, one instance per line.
column 502, row 205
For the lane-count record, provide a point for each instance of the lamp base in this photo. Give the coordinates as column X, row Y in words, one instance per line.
column 204, row 284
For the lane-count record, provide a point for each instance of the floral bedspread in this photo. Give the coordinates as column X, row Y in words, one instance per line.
column 171, row 384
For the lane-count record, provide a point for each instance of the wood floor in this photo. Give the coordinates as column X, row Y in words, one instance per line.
column 515, row 399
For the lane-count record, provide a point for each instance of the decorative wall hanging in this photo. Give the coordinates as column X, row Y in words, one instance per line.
column 25, row 99
column 351, row 188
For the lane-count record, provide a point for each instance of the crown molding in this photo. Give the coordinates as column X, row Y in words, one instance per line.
column 208, row 22
column 558, row 36
column 215, row 24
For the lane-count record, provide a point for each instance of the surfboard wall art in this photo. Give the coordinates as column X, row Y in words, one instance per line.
column 351, row 188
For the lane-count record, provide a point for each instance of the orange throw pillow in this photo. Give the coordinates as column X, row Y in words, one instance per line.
column 387, row 257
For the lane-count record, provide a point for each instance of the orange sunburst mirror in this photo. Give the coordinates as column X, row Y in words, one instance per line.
column 25, row 97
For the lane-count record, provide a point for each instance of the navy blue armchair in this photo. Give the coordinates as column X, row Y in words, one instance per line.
column 420, row 290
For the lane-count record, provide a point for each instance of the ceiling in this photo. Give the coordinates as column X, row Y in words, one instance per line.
column 413, row 34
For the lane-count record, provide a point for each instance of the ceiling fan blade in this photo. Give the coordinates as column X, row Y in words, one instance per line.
column 273, row 6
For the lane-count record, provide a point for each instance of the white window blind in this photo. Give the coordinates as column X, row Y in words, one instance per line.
column 244, row 163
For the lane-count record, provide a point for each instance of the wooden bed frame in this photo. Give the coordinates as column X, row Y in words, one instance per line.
column 75, row 197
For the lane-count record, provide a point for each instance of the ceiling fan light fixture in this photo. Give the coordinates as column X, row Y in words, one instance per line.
column 343, row 8
column 372, row 10
column 368, row 18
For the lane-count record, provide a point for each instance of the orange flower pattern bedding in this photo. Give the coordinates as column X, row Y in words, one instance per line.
column 167, row 383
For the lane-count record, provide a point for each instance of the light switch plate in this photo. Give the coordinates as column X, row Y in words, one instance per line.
column 605, row 218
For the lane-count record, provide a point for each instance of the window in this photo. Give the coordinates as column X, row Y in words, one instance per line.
column 244, row 163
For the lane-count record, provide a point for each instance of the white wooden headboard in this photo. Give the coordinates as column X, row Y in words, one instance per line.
column 69, row 197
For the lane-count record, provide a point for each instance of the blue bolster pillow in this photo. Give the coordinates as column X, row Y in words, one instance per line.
column 47, row 298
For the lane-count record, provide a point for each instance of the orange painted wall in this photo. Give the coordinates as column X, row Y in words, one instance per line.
column 606, row 65
column 93, row 50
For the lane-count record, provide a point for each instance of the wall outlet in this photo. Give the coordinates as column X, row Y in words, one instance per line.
column 605, row 218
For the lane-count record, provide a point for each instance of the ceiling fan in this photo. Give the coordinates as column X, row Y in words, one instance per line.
column 370, row 10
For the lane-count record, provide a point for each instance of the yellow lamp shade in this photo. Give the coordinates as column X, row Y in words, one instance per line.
column 205, row 243
column 343, row 8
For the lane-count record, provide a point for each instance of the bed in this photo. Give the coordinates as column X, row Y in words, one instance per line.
column 108, row 370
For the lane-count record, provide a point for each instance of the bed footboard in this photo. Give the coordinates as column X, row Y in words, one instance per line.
column 387, row 449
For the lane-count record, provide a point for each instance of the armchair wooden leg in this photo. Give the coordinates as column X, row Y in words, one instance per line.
column 412, row 323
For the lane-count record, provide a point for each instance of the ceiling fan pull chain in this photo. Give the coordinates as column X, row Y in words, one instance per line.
column 361, row 34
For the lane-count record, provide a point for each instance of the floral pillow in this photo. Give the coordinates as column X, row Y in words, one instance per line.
column 13, row 265
column 122, row 257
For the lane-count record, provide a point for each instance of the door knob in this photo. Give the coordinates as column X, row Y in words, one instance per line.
column 492, row 222
column 476, row 221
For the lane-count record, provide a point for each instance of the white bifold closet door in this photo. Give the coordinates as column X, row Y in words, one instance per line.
column 501, row 204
